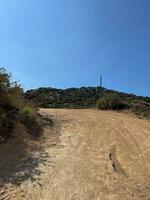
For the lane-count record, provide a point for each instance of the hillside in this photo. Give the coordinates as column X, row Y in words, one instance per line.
column 85, row 97
column 72, row 153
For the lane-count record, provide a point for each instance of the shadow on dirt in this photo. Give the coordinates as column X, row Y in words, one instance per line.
column 23, row 167
column 21, row 157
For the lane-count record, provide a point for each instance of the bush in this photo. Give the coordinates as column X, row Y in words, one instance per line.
column 31, row 120
column 140, row 108
column 14, row 107
column 11, row 93
column 110, row 102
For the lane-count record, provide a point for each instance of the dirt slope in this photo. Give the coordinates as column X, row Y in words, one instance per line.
column 100, row 156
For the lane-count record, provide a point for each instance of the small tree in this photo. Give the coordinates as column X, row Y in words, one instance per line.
column 15, row 108
column 11, row 94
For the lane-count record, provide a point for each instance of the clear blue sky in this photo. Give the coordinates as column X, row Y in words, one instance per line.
column 68, row 43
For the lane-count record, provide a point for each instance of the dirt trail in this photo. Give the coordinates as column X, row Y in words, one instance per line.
column 100, row 156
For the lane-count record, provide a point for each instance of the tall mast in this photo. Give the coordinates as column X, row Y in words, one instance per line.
column 101, row 81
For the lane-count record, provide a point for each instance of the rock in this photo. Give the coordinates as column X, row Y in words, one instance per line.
column 34, row 184
column 34, row 162
column 2, row 192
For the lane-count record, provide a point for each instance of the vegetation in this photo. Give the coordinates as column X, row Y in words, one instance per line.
column 69, row 98
column 14, row 108
column 89, row 97
column 141, row 108
column 110, row 102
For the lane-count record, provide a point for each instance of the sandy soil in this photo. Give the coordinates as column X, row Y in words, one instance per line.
column 99, row 156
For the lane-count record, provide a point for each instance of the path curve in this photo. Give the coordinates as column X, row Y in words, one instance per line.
column 100, row 156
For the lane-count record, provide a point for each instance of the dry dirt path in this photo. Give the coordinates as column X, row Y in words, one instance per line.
column 100, row 156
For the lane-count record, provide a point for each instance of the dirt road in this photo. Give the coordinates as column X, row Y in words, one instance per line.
column 100, row 156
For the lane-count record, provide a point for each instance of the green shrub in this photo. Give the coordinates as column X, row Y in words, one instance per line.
column 140, row 108
column 110, row 102
column 27, row 111
column 11, row 93
column 14, row 107
column 31, row 120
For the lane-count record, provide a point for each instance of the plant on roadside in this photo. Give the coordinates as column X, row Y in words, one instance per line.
column 14, row 107
column 110, row 102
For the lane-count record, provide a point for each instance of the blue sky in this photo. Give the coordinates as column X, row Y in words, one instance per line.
column 68, row 43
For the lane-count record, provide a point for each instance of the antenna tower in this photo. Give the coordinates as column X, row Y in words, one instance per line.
column 101, row 81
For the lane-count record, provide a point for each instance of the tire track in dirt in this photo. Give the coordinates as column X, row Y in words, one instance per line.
column 100, row 156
